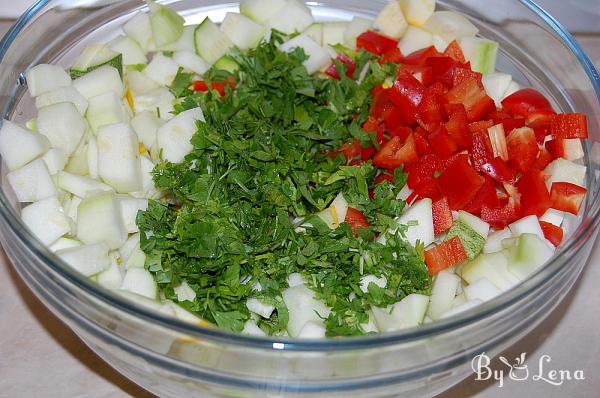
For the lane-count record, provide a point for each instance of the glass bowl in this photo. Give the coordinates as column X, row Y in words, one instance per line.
column 171, row 358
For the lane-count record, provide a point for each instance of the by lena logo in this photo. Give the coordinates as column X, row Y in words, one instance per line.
column 519, row 371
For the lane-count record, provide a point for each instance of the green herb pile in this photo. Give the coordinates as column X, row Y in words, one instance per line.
column 260, row 169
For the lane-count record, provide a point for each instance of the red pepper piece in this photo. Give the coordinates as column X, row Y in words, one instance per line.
column 375, row 43
column 383, row 177
column 392, row 118
column 535, row 198
column 356, row 219
column 455, row 52
column 344, row 59
column 445, row 255
column 442, row 216
column 426, row 189
column 407, row 93
column 457, row 125
column 401, row 131
column 481, row 149
column 394, row 56
column 499, row 217
column 423, row 147
column 526, row 102
column 422, row 73
column 350, row 151
column 522, row 148
column 469, row 93
column 569, row 125
column 429, row 114
column 543, row 159
column 486, row 196
column 460, row 73
column 202, row 86
column 459, row 183
column 395, row 153
column 419, row 57
column 497, row 169
column 367, row 153
column 480, row 125
column 424, row 170
column 442, row 143
column 567, row 197
column 381, row 101
column 551, row 232
column 440, row 66
column 370, row 125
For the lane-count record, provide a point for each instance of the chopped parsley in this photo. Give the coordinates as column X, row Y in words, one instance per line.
column 260, row 164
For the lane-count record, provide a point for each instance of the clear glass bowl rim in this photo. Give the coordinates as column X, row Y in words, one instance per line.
column 583, row 232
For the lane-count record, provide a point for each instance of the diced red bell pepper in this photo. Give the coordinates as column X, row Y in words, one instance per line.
column 540, row 122
column 422, row 73
column 508, row 122
column 367, row 153
column 350, row 151
column 551, row 232
column 426, row 189
column 526, row 102
column 356, row 219
column 394, row 56
column 202, row 86
column 407, row 93
column 543, row 159
column 419, row 57
column 457, row 125
column 375, row 43
column 445, row 255
column 567, row 197
column 395, row 153
column 401, row 131
column 442, row 143
column 535, row 198
column 429, row 113
column 344, row 59
column 570, row 149
column 423, row 147
column 381, row 101
column 499, row 217
column 440, row 66
column 500, row 171
column 424, row 170
column 442, row 216
column 455, row 52
column 459, row 183
column 486, row 196
column 469, row 93
column 480, row 125
column 481, row 150
column 383, row 177
column 370, row 125
column 392, row 118
column 569, row 125
column 522, row 148
column 460, row 73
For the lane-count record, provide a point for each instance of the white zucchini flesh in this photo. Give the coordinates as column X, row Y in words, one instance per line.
column 46, row 220
column 162, row 69
column 295, row 16
column 407, row 313
column 106, row 109
column 313, row 330
column 159, row 101
column 333, row 33
column 482, row 289
column 366, row 280
column 481, row 53
column 185, row 42
column 92, row 158
column 140, row 30
column 462, row 308
column 415, row 39
column 513, row 87
column 340, row 204
column 146, row 124
column 184, row 292
column 129, row 210
column 64, row 243
column 295, row 279
column 44, row 78
column 174, row 137
column 78, row 161
column 315, row 32
column 148, row 189
column 19, row 146
column 100, row 81
column 119, row 158
column 132, row 52
column 167, row 25
column 63, row 94
column 318, row 57
column 302, row 307
column 191, row 61
column 139, row 84
column 527, row 225
column 554, row 217
column 242, row 31
column 420, row 213
column 496, row 84
column 137, row 259
column 261, row 10
column 445, row 286
column 573, row 149
column 530, row 253
column 440, row 43
column 493, row 267
column 476, row 223
column 129, row 247
column 357, row 26
column 99, row 220
column 63, row 125
column 257, row 307
column 79, row 185
column 450, row 25
column 494, row 240
column 562, row 170
column 252, row 329
column 417, row 12
column 55, row 160
column 140, row 281
column 87, row 259
column 112, row 277
column 391, row 20
column 211, row 43
column 32, row 182
column 70, row 209
column 94, row 55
